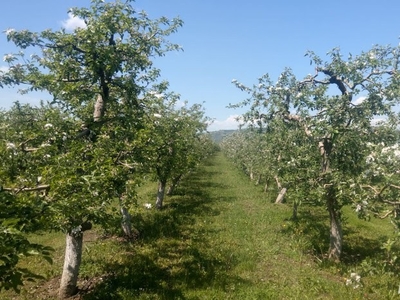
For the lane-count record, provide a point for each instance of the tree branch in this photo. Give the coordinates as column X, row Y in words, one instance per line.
column 27, row 189
column 385, row 215
column 335, row 80
column 372, row 188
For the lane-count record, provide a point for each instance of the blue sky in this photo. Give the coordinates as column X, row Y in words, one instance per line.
column 225, row 40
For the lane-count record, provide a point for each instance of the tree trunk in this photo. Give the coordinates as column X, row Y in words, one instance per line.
column 295, row 207
column 99, row 108
column 126, row 223
column 278, row 183
column 258, row 179
column 160, row 194
column 335, row 230
column 173, row 185
column 131, row 233
column 281, row 195
column 72, row 262
column 336, row 233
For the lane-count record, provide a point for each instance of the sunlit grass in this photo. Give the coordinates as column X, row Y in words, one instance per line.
column 221, row 237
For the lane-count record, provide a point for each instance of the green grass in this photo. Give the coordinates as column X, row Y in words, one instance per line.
column 220, row 237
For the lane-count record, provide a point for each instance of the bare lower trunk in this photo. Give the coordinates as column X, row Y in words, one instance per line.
column 281, row 196
column 126, row 223
column 129, row 230
column 295, row 206
column 266, row 186
column 131, row 233
column 278, row 184
column 258, row 179
column 99, row 108
column 174, row 184
column 72, row 262
column 335, row 230
column 160, row 194
column 336, row 233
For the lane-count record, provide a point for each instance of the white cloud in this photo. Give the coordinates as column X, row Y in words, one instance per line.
column 229, row 123
column 180, row 104
column 378, row 121
column 4, row 69
column 73, row 22
column 359, row 100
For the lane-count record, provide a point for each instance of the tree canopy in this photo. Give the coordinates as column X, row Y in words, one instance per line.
column 84, row 146
column 334, row 109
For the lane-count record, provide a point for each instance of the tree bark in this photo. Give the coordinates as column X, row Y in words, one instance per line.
column 160, row 194
column 335, row 230
column 258, row 179
column 174, row 184
column 131, row 233
column 99, row 108
column 281, row 195
column 126, row 223
column 72, row 262
column 295, row 207
column 336, row 233
column 278, row 183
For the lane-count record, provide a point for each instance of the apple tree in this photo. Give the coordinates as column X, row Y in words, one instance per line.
column 175, row 145
column 23, row 208
column 98, row 75
column 335, row 108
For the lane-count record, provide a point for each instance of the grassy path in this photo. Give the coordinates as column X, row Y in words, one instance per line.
column 219, row 237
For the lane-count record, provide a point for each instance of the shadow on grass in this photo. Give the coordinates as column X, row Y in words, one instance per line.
column 357, row 248
column 174, row 254
column 144, row 275
column 313, row 226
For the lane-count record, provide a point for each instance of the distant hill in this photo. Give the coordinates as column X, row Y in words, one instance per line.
column 218, row 136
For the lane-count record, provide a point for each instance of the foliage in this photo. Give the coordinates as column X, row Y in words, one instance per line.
column 221, row 238
column 97, row 76
column 27, row 146
column 175, row 141
column 110, row 58
column 176, row 137
column 336, row 128
column 14, row 244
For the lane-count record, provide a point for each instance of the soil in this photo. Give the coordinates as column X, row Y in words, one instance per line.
column 49, row 289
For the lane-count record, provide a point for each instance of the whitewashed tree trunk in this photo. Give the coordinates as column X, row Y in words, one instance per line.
column 160, row 194
column 99, row 108
column 72, row 262
column 258, row 179
column 126, row 223
column 278, row 183
column 174, row 184
column 131, row 233
column 281, row 195
column 266, row 186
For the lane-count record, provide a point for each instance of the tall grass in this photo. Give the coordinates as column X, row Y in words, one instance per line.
column 221, row 237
